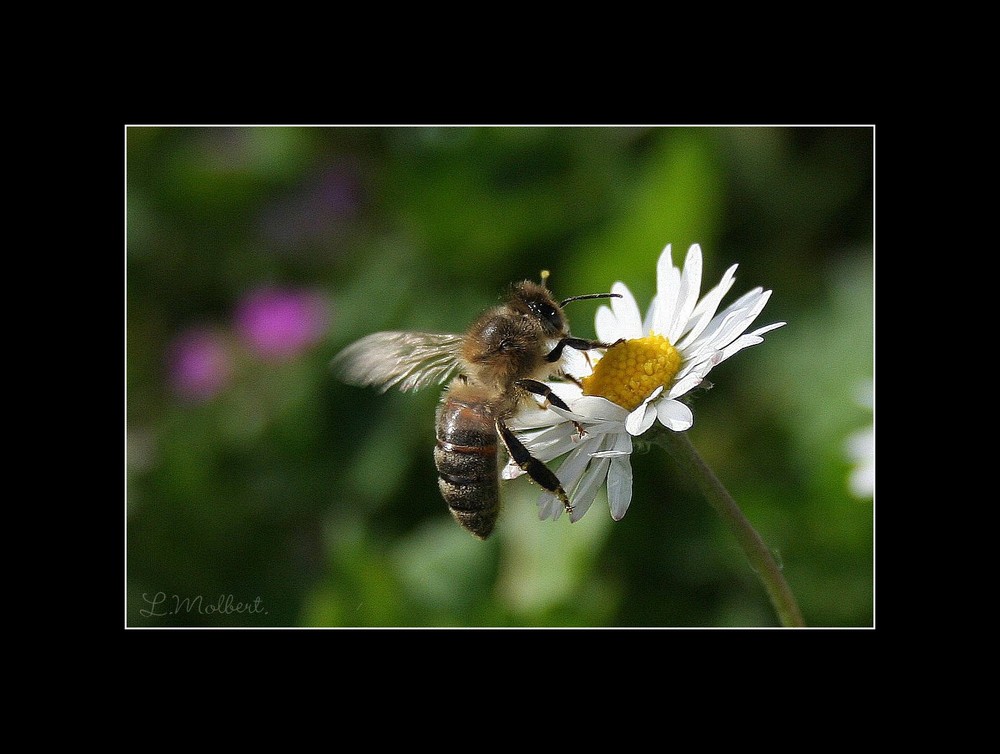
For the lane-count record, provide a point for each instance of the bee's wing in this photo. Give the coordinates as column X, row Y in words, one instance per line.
column 407, row 360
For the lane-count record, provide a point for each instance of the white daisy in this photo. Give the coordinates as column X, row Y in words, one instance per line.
column 672, row 350
column 639, row 380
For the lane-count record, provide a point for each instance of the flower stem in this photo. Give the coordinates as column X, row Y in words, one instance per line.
column 761, row 560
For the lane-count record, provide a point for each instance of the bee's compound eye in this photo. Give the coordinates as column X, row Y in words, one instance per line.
column 548, row 314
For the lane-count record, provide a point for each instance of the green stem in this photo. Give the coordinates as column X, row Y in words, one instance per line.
column 761, row 560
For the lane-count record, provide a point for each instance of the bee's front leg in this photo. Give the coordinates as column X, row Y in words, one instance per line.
column 580, row 344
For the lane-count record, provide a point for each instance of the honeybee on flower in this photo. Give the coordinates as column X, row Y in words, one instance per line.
column 656, row 361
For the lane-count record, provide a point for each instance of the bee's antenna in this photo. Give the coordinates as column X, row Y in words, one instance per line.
column 589, row 295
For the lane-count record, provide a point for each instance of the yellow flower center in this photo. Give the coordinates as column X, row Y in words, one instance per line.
column 631, row 371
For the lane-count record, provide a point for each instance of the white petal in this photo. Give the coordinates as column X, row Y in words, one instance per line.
column 511, row 470
column 674, row 415
column 549, row 506
column 706, row 308
column 768, row 328
column 627, row 313
column 687, row 295
column 641, row 419
column 549, row 449
column 668, row 283
column 620, row 478
column 731, row 322
column 584, row 494
column 623, row 442
column 754, row 307
column 726, row 327
column 747, row 299
column 600, row 429
column 684, row 385
column 543, row 438
column 650, row 319
column 750, row 339
column 702, row 366
column 744, row 341
column 560, row 432
column 569, row 475
column 606, row 325
column 575, row 363
column 527, row 419
column 694, row 354
column 709, row 353
column 619, row 487
column 565, row 390
column 576, row 462
column 569, row 416
column 595, row 407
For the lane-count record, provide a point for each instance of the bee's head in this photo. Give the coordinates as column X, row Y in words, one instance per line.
column 535, row 300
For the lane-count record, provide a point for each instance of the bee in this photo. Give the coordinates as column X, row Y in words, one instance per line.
column 491, row 370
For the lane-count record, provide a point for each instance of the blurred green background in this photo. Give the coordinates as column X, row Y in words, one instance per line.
column 263, row 493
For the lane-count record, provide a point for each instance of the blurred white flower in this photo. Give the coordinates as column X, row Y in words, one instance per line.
column 655, row 361
column 860, row 449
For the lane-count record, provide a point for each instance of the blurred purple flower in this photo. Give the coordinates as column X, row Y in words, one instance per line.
column 279, row 323
column 199, row 364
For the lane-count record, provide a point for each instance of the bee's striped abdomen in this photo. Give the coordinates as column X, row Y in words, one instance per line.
column 466, row 460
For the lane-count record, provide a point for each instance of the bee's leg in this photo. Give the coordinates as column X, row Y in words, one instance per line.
column 540, row 388
column 538, row 471
column 580, row 344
